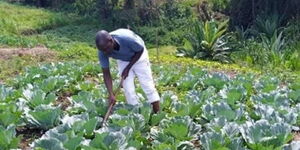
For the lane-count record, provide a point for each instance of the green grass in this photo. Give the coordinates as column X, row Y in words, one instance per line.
column 163, row 50
column 23, row 26
column 71, row 36
column 11, row 67
column 30, row 26
column 17, row 19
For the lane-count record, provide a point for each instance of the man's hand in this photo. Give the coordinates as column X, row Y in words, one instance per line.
column 125, row 73
column 112, row 100
column 134, row 59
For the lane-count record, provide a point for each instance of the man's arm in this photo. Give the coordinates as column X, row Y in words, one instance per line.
column 134, row 59
column 107, row 80
column 108, row 84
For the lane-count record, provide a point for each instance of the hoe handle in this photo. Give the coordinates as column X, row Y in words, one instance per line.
column 111, row 105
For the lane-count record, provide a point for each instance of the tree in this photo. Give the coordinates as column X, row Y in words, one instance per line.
column 129, row 4
column 244, row 12
column 105, row 9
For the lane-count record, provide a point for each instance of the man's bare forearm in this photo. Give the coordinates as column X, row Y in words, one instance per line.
column 134, row 59
column 108, row 81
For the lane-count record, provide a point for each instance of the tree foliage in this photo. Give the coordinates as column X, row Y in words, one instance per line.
column 245, row 12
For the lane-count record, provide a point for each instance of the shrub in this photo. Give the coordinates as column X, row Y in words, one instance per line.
column 207, row 41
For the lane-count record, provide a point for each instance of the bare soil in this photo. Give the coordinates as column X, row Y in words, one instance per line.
column 39, row 51
column 28, row 136
column 63, row 100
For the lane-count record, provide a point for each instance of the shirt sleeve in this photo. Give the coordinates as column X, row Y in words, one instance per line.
column 134, row 45
column 104, row 61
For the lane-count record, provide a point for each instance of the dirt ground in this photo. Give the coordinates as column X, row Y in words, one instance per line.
column 28, row 136
column 39, row 51
column 14, row 60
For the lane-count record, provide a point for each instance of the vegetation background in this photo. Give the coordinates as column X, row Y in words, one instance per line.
column 235, row 37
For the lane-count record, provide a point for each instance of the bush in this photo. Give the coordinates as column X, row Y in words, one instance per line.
column 293, row 57
column 267, row 25
column 220, row 5
column 276, row 52
column 292, row 30
column 244, row 12
column 161, row 35
column 207, row 41
column 85, row 7
column 79, row 51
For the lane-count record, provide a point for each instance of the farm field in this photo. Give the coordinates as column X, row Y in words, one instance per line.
column 62, row 105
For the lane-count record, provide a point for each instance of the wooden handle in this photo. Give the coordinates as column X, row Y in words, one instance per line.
column 107, row 114
column 111, row 105
column 118, row 88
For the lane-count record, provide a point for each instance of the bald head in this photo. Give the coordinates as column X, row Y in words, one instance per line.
column 104, row 41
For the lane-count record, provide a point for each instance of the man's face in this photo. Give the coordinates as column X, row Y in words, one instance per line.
column 107, row 46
